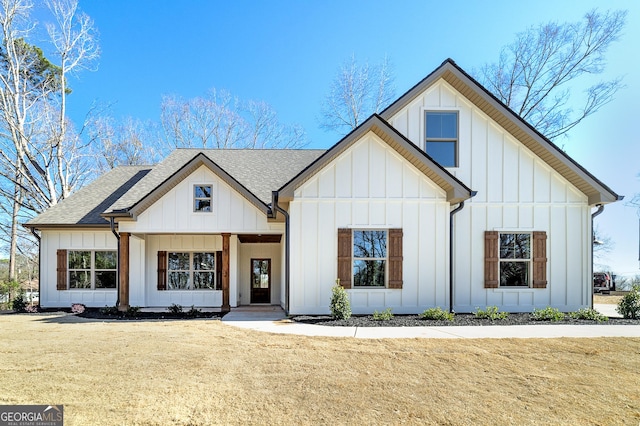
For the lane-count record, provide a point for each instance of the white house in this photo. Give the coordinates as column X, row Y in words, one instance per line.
column 447, row 198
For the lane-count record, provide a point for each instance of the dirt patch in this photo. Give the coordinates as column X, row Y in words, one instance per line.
column 204, row 372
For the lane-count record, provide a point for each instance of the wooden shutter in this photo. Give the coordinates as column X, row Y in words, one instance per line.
column 162, row 270
column 491, row 259
column 218, row 270
column 539, row 259
column 61, row 269
column 395, row 258
column 344, row 257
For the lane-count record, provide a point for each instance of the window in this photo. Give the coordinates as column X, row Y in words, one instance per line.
column 202, row 198
column 515, row 260
column 441, row 137
column 370, row 258
column 191, row 271
column 92, row 269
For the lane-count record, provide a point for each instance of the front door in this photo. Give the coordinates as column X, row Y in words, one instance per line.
column 260, row 280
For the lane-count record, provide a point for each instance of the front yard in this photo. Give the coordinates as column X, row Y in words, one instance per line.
column 205, row 372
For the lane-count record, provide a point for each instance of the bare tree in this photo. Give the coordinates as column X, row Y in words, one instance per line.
column 40, row 154
column 220, row 120
column 539, row 73
column 130, row 142
column 356, row 92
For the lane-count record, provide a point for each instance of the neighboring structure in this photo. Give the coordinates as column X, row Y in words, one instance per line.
column 222, row 228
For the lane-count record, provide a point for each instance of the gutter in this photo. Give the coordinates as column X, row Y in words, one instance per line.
column 593, row 216
column 273, row 212
column 33, row 231
column 113, row 229
column 451, row 214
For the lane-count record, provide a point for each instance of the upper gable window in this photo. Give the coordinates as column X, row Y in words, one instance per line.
column 441, row 137
column 202, row 198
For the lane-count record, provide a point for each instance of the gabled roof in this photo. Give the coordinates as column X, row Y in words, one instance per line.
column 251, row 172
column 596, row 191
column 128, row 190
column 456, row 190
column 85, row 206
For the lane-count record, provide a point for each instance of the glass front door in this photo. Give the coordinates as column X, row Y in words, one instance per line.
column 260, row 280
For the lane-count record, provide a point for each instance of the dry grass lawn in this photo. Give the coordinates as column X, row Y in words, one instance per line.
column 606, row 299
column 204, row 372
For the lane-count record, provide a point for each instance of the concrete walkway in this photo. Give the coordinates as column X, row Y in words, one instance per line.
column 273, row 320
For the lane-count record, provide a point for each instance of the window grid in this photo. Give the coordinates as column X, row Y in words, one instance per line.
column 370, row 256
column 202, row 198
column 191, row 271
column 515, row 259
column 87, row 273
column 441, row 137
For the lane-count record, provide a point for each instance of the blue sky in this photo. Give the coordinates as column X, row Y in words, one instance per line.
column 287, row 52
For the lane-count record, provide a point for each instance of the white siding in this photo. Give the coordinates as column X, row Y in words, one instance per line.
column 515, row 191
column 369, row 186
column 72, row 240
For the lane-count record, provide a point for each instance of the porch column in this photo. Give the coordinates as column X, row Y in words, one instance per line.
column 123, row 268
column 225, row 273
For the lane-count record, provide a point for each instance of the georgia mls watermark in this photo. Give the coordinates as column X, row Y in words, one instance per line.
column 31, row 415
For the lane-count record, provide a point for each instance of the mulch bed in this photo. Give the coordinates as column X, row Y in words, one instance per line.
column 459, row 319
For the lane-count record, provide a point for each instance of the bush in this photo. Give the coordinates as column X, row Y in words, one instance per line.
column 77, row 308
column 340, row 306
column 629, row 306
column 132, row 311
column 109, row 310
column 588, row 314
column 385, row 315
column 32, row 309
column 491, row 313
column 175, row 309
column 19, row 303
column 547, row 314
column 193, row 312
column 436, row 314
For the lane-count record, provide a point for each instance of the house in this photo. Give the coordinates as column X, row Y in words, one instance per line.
column 447, row 198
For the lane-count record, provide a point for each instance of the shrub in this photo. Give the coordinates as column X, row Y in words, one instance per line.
column 77, row 308
column 109, row 310
column 193, row 312
column 132, row 311
column 491, row 313
column 547, row 314
column 340, row 306
column 629, row 306
column 32, row 309
column 175, row 309
column 385, row 315
column 588, row 314
column 19, row 303
column 436, row 314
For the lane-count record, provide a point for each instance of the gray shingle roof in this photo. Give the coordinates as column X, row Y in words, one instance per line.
column 84, row 206
column 259, row 171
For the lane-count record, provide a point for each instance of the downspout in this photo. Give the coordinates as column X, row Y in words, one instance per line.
column 287, row 250
column 113, row 229
column 593, row 216
column 451, row 214
column 33, row 231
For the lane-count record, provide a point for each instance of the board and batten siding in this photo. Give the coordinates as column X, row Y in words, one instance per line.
column 51, row 241
column 173, row 212
column 516, row 191
column 369, row 186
